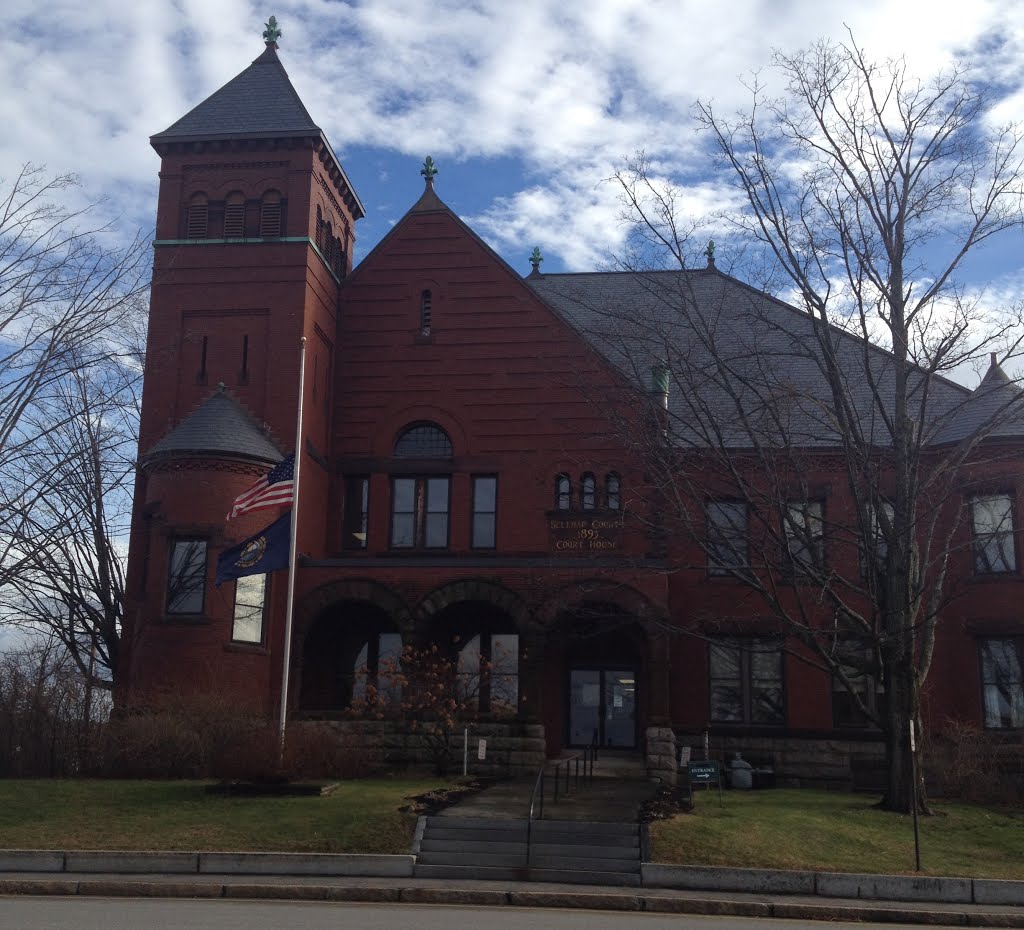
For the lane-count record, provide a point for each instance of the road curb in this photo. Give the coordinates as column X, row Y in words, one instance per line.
column 531, row 898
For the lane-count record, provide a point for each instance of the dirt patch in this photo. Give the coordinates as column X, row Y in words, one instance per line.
column 432, row 802
column 666, row 803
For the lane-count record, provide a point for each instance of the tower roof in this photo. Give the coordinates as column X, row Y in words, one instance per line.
column 221, row 427
column 995, row 409
column 258, row 103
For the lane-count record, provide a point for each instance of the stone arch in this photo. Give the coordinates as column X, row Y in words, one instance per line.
column 353, row 589
column 628, row 599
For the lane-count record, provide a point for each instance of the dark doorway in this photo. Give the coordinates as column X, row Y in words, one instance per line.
column 602, row 707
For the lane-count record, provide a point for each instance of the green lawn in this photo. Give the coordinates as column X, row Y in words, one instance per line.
column 360, row 816
column 830, row 831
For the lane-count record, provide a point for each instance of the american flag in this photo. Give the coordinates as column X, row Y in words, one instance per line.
column 275, row 488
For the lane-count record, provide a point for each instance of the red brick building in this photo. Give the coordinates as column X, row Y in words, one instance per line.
column 471, row 478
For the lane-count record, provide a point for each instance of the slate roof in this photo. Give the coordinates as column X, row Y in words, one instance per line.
column 220, row 427
column 746, row 365
column 258, row 103
column 996, row 406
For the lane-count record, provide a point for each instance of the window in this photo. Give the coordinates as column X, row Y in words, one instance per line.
column 426, row 302
column 423, row 441
column 198, row 217
column 234, row 216
column 587, row 491
column 876, row 545
column 563, row 493
column 612, row 499
column 485, row 508
column 804, row 530
column 488, row 672
column 858, row 664
column 419, row 513
column 727, row 536
column 377, row 666
column 186, row 576
column 992, row 527
column 250, row 597
column 270, row 215
column 746, row 681
column 1002, row 682
column 357, row 510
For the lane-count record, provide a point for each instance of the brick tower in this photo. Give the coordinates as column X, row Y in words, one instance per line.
column 254, row 237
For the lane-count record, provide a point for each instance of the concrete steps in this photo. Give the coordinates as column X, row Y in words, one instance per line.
column 579, row 852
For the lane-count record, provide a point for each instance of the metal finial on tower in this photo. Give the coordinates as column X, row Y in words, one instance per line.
column 273, row 32
column 535, row 259
column 429, row 170
column 710, row 253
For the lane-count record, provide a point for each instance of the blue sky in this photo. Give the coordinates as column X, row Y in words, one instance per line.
column 526, row 107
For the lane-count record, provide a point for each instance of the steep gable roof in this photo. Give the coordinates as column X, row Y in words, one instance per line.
column 750, row 363
column 996, row 407
column 220, row 427
column 258, row 103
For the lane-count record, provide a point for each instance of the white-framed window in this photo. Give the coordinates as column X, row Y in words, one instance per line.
column 804, row 529
column 250, row 602
column 186, row 576
column 1002, row 681
column 992, row 532
column 726, row 536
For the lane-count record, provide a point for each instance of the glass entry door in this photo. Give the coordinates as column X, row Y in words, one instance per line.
column 602, row 707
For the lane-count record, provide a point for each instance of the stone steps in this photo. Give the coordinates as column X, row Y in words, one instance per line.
column 559, row 850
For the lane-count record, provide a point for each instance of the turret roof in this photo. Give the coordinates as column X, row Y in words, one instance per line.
column 220, row 427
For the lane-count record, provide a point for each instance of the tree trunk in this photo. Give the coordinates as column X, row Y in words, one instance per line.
column 902, row 708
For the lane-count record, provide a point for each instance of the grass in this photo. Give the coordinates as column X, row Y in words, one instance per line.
column 360, row 816
column 830, row 831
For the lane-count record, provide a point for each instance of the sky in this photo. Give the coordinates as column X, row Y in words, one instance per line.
column 527, row 108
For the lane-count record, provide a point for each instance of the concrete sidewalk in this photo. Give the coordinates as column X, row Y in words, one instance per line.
column 733, row 892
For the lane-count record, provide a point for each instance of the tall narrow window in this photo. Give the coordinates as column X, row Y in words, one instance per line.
column 419, row 513
column 587, row 492
column 186, row 576
column 201, row 374
column 357, row 510
column 1002, row 682
column 198, row 217
column 488, row 672
column 243, row 375
column 270, row 215
column 563, row 493
column 727, row 536
column 485, row 507
column 992, row 526
column 337, row 258
column 378, row 664
column 234, row 216
column 803, row 529
column 320, row 231
column 425, row 311
column 612, row 498
column 250, row 597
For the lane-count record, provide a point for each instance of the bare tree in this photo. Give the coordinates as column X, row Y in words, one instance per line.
column 865, row 191
column 68, row 409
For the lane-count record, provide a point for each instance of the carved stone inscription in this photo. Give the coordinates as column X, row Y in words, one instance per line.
column 579, row 535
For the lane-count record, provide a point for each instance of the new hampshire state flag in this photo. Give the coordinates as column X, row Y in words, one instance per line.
column 267, row 551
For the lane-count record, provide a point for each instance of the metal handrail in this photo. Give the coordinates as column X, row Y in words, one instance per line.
column 588, row 756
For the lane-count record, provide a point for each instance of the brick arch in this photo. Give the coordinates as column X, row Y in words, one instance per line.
column 473, row 589
column 578, row 593
column 355, row 589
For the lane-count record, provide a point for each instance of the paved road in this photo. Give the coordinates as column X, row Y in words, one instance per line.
column 32, row 913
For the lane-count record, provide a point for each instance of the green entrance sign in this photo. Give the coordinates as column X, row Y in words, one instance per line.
column 703, row 771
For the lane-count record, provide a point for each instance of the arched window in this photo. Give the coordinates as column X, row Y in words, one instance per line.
column 270, row 215
column 420, row 504
column 426, row 301
column 320, row 231
column 423, row 441
column 587, row 491
column 563, row 493
column 612, row 499
column 234, row 215
column 198, row 217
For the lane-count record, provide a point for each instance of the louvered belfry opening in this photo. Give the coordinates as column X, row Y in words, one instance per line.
column 270, row 215
column 198, row 217
column 234, row 216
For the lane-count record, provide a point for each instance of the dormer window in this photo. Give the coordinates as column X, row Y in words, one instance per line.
column 198, row 217
column 270, row 215
column 234, row 216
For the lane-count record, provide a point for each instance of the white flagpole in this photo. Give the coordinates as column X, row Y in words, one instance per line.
column 292, row 558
